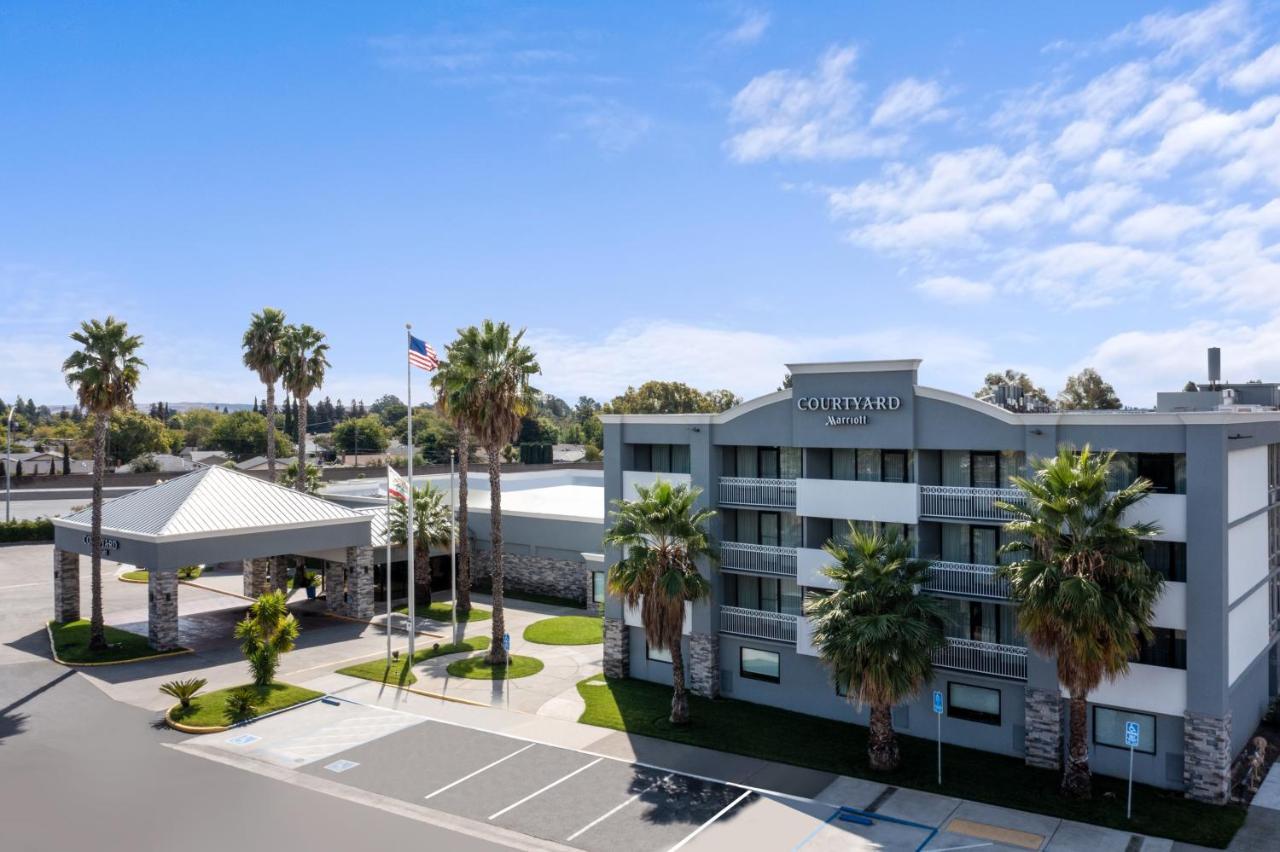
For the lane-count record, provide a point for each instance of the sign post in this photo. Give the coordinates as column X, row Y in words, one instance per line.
column 506, row 646
column 1131, row 733
column 937, row 711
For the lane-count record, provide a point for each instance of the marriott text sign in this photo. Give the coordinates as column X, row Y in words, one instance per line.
column 848, row 403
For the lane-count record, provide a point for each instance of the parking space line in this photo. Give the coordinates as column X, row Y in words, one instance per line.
column 471, row 775
column 604, row 816
column 546, row 788
column 706, row 824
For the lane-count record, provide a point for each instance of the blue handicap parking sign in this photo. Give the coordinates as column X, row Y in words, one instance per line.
column 937, row 702
column 506, row 641
column 1131, row 732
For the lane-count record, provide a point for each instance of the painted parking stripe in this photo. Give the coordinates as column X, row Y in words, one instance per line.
column 707, row 824
column 604, row 816
column 471, row 775
column 341, row 765
column 546, row 788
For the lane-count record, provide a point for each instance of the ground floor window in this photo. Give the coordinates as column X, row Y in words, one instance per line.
column 756, row 664
column 597, row 587
column 1108, row 728
column 656, row 656
column 973, row 703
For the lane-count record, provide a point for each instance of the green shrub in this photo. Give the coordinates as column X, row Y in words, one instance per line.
column 189, row 572
column 40, row 529
column 184, row 690
column 242, row 704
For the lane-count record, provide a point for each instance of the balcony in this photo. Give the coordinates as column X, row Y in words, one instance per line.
column 762, row 559
column 986, row 658
column 885, row 502
column 758, row 624
column 762, row 493
column 970, row 581
column 967, row 504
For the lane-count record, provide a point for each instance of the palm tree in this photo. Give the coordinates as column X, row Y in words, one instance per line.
column 104, row 373
column 263, row 353
column 662, row 535
column 877, row 632
column 1083, row 592
column 313, row 481
column 494, row 395
column 452, row 395
column 267, row 631
column 303, row 371
column 431, row 526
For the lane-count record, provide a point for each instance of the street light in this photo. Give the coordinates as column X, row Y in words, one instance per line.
column 8, row 460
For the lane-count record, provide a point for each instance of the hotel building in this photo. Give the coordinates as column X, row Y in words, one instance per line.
column 864, row 442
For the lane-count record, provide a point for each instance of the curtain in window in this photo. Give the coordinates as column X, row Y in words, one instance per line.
column 748, row 526
column 984, row 545
column 869, row 465
column 680, row 458
column 792, row 603
column 955, row 542
column 955, row 468
column 747, row 462
column 842, row 466
column 792, row 530
column 662, row 458
column 748, row 592
column 791, row 462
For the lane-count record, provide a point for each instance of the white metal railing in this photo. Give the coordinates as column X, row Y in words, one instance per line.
column 758, row 624
column 968, row 655
column 758, row 559
column 975, row 504
column 962, row 578
column 752, row 491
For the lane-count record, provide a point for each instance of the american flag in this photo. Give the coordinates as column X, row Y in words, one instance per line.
column 421, row 355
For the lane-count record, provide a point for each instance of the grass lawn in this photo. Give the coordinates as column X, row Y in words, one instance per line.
column 440, row 611
column 189, row 573
column 209, row 709
column 566, row 630
column 769, row 733
column 71, row 643
column 402, row 673
column 476, row 668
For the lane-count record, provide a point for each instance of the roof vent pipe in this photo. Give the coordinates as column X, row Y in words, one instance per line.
column 1215, row 366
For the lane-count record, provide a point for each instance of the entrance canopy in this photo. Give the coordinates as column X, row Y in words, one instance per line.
column 213, row 515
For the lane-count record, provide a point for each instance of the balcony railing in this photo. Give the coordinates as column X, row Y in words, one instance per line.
column 987, row 658
column 758, row 559
column 758, row 624
column 751, row 491
column 971, row 581
column 970, row 504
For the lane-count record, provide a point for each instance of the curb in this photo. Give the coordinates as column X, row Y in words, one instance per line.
column 191, row 729
column 123, row 579
column 48, row 627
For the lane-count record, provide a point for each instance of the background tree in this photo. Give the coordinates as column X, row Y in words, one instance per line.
column 243, row 434
column 495, row 369
column 305, row 363
column 198, row 425
column 1030, row 390
column 662, row 535
column 670, row 398
column 104, row 373
column 263, row 344
column 1082, row 590
column 130, row 433
column 877, row 631
column 786, row 382
column 431, row 526
column 1086, row 391
column 267, row 631
column 1190, row 387
column 360, row 434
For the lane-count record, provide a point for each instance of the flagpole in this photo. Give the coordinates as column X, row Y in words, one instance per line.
column 453, row 553
column 388, row 571
column 408, row 377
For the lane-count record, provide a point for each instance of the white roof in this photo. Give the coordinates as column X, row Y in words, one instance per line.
column 212, row 501
column 377, row 525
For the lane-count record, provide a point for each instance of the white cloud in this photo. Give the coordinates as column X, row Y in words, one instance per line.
column 1260, row 72
column 1079, row 139
column 908, row 101
column 957, row 291
column 751, row 27
column 1160, row 223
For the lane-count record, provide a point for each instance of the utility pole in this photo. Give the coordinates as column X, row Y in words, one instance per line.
column 8, row 461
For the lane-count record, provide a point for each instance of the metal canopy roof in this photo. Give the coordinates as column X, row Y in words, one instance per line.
column 213, row 515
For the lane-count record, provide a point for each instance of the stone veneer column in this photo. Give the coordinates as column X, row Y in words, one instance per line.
column 335, row 587
column 281, row 571
column 257, row 573
column 162, row 609
column 1206, row 767
column 66, row 586
column 704, row 664
column 1043, row 743
column 617, row 653
column 359, row 575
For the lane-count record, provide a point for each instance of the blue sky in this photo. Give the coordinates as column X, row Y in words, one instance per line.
column 686, row 191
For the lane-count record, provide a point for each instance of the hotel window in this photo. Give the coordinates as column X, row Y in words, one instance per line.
column 979, row 468
column 656, row 656
column 871, row 465
column 767, row 594
column 597, row 586
column 756, row 664
column 1167, row 649
column 660, row 458
column 1167, row 471
column 971, row 544
column 868, row 465
column 981, row 622
column 973, row 703
column 1108, row 729
column 1166, row 558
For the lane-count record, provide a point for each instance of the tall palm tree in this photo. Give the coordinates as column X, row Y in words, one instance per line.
column 431, row 526
column 497, row 367
column 104, row 373
column 662, row 535
column 313, row 481
column 263, row 353
column 452, row 396
column 877, row 632
column 1082, row 589
column 303, row 371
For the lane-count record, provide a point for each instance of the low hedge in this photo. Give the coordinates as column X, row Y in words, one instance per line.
column 40, row 529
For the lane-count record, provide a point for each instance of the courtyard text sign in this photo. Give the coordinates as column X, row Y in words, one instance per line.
column 848, row 404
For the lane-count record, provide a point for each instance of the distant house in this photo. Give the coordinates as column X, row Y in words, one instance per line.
column 33, row 463
column 260, row 463
column 168, row 464
column 568, row 453
column 212, row 458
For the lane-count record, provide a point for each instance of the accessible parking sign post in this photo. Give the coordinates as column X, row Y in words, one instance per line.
column 1131, row 733
column 937, row 711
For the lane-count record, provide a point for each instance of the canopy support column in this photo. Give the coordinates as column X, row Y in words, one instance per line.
column 256, row 576
column 335, row 587
column 359, row 581
column 162, row 609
